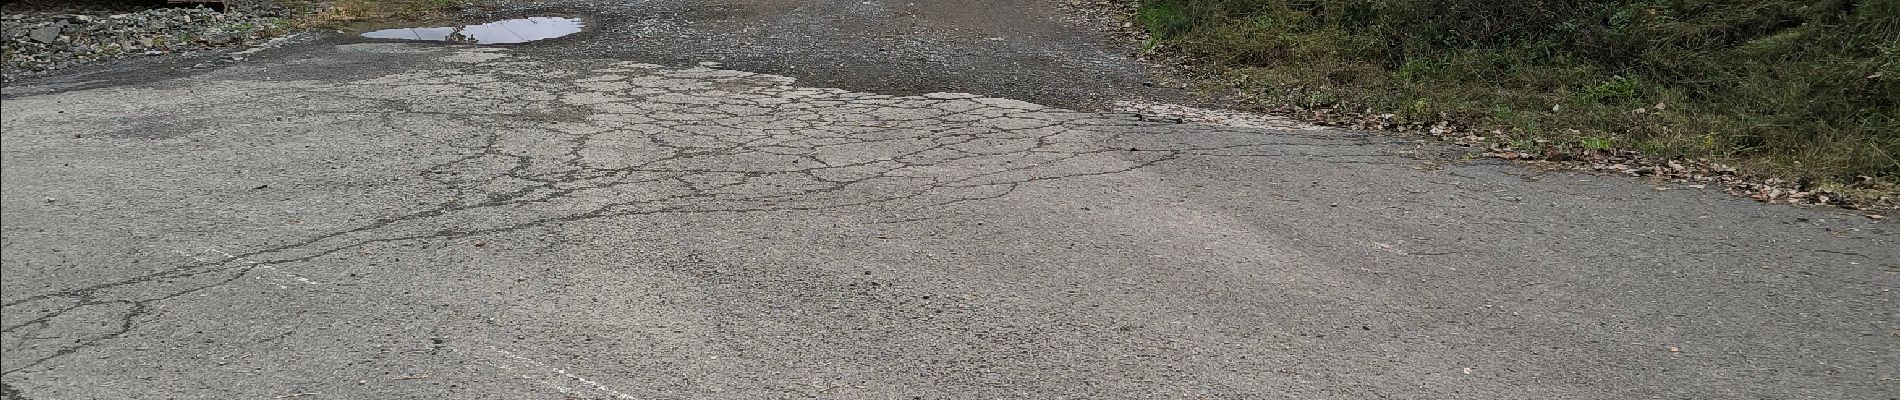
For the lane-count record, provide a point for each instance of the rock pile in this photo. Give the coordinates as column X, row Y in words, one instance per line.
column 50, row 38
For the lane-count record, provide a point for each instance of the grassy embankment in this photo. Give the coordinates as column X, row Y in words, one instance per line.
column 1807, row 91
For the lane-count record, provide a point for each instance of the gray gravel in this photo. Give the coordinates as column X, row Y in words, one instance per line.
column 42, row 38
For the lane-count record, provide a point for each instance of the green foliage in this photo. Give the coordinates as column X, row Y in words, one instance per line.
column 1595, row 143
column 1799, row 88
column 1616, row 88
column 1164, row 19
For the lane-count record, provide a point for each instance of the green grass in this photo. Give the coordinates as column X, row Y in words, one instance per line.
column 1802, row 90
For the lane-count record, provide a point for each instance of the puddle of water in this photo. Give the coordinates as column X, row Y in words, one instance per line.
column 510, row 31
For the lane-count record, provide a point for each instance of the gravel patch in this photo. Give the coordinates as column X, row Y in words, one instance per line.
column 52, row 35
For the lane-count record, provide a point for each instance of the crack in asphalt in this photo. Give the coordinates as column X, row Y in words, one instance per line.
column 563, row 145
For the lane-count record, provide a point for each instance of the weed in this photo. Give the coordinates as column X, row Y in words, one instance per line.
column 1594, row 143
column 1164, row 18
column 1612, row 90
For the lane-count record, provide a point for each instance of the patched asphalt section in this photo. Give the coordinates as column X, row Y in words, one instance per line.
column 388, row 220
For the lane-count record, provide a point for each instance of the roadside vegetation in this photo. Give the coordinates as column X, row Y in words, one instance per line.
column 1800, row 90
column 342, row 14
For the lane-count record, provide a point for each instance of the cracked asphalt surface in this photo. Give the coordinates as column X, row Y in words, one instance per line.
column 348, row 219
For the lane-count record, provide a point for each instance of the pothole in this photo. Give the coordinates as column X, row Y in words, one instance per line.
column 520, row 30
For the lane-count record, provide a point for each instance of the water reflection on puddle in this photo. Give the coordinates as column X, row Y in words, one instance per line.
column 509, row 31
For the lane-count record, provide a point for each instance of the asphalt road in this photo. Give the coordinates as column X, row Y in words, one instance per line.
column 598, row 217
